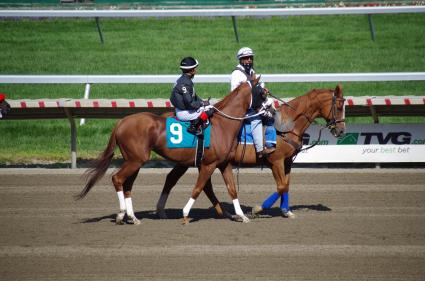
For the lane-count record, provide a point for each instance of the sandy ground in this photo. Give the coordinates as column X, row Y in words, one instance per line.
column 350, row 225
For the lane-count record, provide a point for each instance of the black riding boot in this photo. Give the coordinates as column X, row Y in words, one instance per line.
column 195, row 127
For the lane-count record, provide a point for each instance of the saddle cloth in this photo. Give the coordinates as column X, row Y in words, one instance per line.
column 270, row 135
column 178, row 137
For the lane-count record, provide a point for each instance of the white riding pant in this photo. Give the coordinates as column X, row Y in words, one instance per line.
column 187, row 115
column 257, row 130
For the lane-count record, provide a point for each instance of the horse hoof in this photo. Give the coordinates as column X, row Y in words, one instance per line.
column 161, row 214
column 245, row 219
column 256, row 210
column 133, row 220
column 185, row 221
column 288, row 214
column 120, row 218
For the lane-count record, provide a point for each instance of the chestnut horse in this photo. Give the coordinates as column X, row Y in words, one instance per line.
column 136, row 135
column 291, row 120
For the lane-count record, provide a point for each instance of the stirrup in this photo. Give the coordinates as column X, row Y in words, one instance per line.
column 195, row 130
column 268, row 150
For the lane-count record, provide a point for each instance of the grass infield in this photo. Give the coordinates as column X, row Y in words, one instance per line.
column 309, row 44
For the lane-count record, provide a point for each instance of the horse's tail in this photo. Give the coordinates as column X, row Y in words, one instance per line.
column 99, row 166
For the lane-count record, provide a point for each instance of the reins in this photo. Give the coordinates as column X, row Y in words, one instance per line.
column 237, row 118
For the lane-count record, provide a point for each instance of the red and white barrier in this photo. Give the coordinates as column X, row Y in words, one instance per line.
column 165, row 103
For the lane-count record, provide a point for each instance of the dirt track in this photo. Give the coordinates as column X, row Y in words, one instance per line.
column 350, row 225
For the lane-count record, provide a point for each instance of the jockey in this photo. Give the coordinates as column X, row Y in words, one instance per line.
column 243, row 72
column 189, row 107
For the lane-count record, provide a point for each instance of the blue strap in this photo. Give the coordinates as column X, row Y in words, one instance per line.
column 268, row 203
column 284, row 202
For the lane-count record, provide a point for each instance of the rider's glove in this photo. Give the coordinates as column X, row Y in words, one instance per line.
column 267, row 104
column 206, row 102
column 267, row 114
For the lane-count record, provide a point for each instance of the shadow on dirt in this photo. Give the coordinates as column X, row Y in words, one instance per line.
column 197, row 214
column 172, row 214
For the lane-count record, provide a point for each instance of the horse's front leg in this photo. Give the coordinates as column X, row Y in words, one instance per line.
column 227, row 173
column 172, row 178
column 282, row 186
column 205, row 173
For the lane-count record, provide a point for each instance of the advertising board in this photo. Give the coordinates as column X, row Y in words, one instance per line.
column 365, row 143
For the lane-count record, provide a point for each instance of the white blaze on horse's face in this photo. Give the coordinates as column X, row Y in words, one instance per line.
column 339, row 128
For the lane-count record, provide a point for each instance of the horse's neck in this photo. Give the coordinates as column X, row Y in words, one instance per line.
column 307, row 110
column 235, row 106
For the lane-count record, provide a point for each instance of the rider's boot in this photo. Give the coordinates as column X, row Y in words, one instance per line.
column 265, row 152
column 195, row 127
column 198, row 125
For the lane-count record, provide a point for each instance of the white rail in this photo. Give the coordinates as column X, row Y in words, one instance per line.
column 209, row 78
column 211, row 12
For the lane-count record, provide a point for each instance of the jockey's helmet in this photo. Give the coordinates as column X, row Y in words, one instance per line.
column 244, row 52
column 188, row 63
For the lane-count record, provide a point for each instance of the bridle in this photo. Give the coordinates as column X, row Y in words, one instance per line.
column 332, row 122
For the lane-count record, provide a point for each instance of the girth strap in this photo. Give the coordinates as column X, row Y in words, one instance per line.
column 199, row 154
column 297, row 146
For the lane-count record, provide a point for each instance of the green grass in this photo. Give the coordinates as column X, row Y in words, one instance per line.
column 309, row 44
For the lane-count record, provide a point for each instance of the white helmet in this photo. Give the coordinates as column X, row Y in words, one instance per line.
column 244, row 52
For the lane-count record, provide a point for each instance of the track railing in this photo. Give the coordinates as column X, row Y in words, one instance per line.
column 233, row 13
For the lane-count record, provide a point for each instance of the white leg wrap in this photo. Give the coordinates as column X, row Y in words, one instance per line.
column 188, row 206
column 120, row 195
column 238, row 209
column 129, row 205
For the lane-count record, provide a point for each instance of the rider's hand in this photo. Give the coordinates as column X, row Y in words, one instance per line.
column 267, row 103
column 206, row 102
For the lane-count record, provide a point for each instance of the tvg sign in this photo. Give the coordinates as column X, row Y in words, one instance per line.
column 392, row 137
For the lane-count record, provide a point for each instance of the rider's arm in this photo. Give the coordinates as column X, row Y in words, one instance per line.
column 191, row 101
column 236, row 79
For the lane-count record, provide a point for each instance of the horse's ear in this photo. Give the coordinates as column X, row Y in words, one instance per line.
column 338, row 90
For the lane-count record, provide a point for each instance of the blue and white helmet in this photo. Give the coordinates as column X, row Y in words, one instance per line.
column 244, row 52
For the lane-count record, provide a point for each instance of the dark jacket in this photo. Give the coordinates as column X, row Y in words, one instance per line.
column 258, row 96
column 183, row 95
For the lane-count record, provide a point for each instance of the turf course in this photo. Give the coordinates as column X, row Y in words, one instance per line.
column 310, row 44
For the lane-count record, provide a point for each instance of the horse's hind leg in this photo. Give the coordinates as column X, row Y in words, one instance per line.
column 123, row 181
column 173, row 176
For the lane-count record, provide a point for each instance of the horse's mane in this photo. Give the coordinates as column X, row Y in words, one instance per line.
column 310, row 95
column 220, row 104
column 305, row 99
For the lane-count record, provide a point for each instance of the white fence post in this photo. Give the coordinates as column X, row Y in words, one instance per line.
column 86, row 96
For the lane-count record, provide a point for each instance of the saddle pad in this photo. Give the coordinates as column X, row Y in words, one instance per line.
column 178, row 137
column 270, row 135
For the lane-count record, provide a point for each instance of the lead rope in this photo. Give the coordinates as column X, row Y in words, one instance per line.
column 242, row 156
